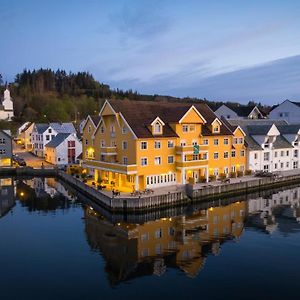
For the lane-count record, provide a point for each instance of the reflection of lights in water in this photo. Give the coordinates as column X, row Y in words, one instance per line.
column 211, row 209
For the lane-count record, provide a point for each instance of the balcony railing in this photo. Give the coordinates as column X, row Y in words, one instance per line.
column 190, row 149
column 108, row 150
column 110, row 166
column 192, row 163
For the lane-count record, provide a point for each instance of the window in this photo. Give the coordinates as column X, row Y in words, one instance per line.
column 225, row 141
column 47, row 137
column 205, row 142
column 125, row 160
column 287, row 153
column 235, row 140
column 89, row 129
column 158, row 233
column 157, row 128
column 242, row 153
column 255, row 155
column 102, row 143
column 266, row 156
column 275, row 154
column 192, row 128
column 216, row 155
column 124, row 130
column 194, row 143
column 182, row 143
column 185, row 128
column 216, row 129
column 204, row 156
column 71, row 144
column 233, row 169
column 287, row 164
column 226, row 170
column 144, row 161
column 124, row 145
column 2, row 141
column 240, row 140
column 233, row 153
column 281, row 153
column 170, row 159
column 170, row 144
column 216, row 142
column 226, row 154
column 295, row 153
column 86, row 141
column 295, row 165
column 157, row 144
column 275, row 166
column 216, row 172
column 143, row 145
column 50, row 130
column 101, row 129
column 157, row 160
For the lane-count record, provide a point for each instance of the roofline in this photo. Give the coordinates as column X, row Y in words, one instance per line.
column 159, row 120
column 197, row 112
column 86, row 120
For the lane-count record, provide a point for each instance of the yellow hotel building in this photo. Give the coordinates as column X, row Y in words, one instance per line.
column 140, row 144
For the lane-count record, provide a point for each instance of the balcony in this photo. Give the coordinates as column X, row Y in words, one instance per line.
column 192, row 163
column 190, row 149
column 110, row 166
column 108, row 150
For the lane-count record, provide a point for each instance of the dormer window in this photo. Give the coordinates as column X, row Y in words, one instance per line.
column 157, row 126
column 217, row 129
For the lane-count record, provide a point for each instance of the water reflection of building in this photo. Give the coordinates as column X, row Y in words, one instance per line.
column 45, row 187
column 132, row 250
column 7, row 195
column 267, row 212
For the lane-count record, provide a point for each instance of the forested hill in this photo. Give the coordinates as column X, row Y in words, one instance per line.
column 47, row 95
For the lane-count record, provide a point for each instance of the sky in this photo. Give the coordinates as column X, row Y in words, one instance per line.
column 219, row 50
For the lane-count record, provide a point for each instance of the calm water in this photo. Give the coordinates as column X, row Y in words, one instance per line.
column 55, row 245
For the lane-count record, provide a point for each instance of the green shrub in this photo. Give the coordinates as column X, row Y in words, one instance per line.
column 232, row 175
column 212, row 177
column 248, row 172
column 239, row 174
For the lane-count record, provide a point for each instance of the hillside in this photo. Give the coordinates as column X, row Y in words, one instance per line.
column 47, row 95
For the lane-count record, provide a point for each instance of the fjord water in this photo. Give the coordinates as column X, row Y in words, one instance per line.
column 55, row 245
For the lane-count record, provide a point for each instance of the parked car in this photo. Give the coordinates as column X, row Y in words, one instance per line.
column 20, row 161
column 264, row 174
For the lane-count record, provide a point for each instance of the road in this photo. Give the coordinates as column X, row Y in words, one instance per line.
column 31, row 160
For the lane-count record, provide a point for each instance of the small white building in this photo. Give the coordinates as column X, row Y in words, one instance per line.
column 239, row 112
column 63, row 149
column 288, row 111
column 43, row 133
column 24, row 134
column 6, row 107
column 271, row 145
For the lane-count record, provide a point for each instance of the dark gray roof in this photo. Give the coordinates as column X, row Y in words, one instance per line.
column 289, row 129
column 41, row 127
column 57, row 140
column 246, row 122
column 296, row 103
column 258, row 129
column 281, row 142
column 63, row 127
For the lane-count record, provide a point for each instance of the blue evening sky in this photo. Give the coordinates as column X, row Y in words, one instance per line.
column 221, row 50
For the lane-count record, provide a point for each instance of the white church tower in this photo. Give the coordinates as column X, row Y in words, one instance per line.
column 7, row 107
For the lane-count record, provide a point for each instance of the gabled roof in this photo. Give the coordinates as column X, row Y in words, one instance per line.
column 140, row 114
column 6, row 132
column 57, row 140
column 289, row 129
column 63, row 127
column 41, row 127
column 296, row 103
column 281, row 142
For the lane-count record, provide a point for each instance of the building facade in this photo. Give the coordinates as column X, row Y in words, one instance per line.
column 288, row 111
column 271, row 146
column 43, row 133
column 137, row 145
column 5, row 148
column 239, row 112
column 6, row 107
column 63, row 149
